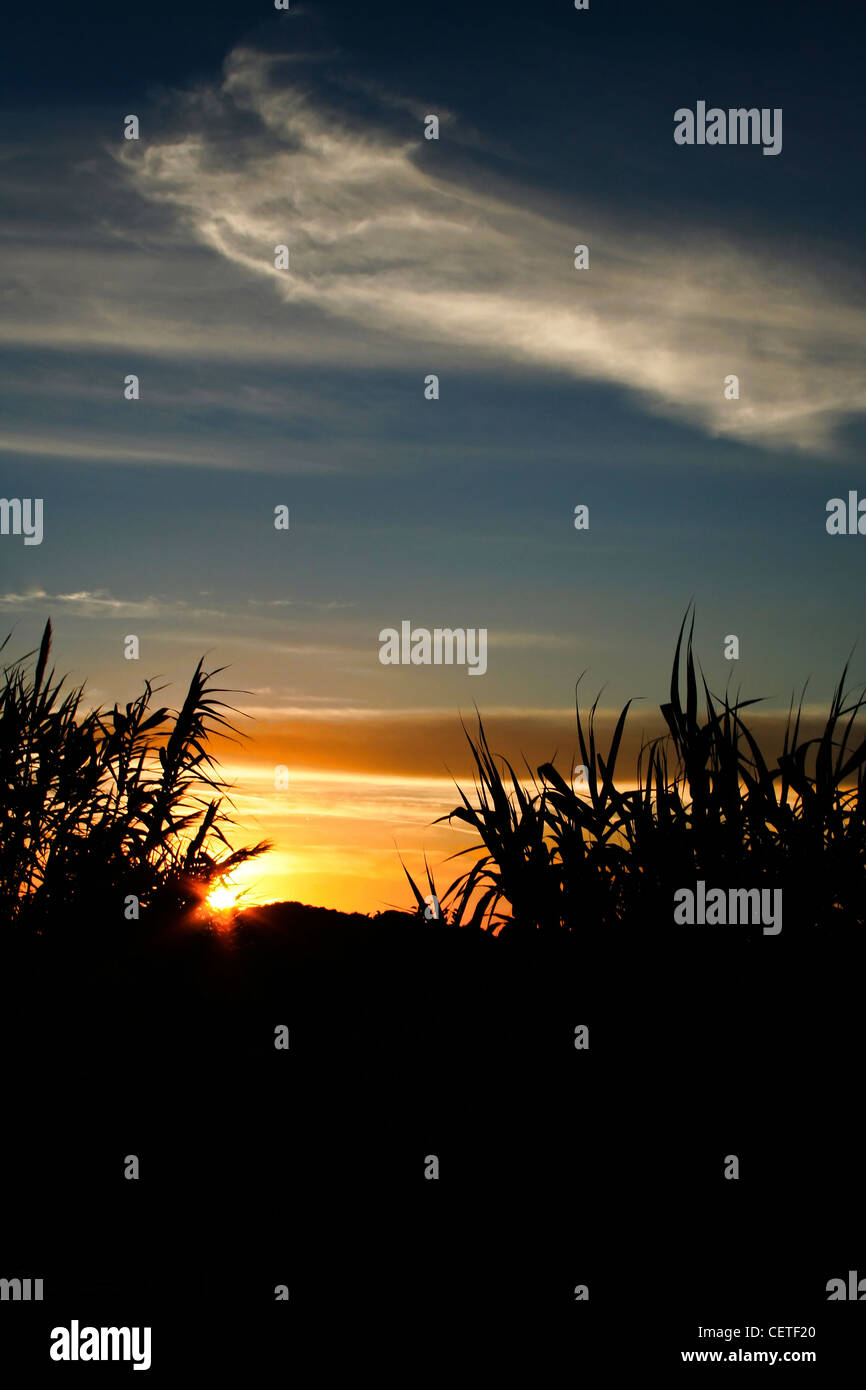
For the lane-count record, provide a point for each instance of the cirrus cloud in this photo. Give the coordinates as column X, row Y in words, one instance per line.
column 382, row 241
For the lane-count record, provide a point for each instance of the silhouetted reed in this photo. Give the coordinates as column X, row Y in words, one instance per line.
column 98, row 807
column 706, row 805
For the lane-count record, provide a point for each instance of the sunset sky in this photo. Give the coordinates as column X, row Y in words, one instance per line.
column 305, row 387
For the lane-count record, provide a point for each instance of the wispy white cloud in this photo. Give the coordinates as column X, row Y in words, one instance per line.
column 298, row 603
column 554, row 641
column 97, row 603
column 100, row 603
column 379, row 241
column 119, row 450
column 392, row 259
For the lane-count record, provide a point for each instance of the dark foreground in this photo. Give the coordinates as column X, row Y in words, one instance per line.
column 558, row 1167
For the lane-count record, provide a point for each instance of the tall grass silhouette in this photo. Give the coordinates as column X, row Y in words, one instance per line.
column 100, row 805
column 706, row 805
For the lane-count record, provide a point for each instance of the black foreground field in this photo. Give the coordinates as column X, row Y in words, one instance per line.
column 559, row 1167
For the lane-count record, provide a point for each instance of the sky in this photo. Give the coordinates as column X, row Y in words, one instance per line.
column 305, row 387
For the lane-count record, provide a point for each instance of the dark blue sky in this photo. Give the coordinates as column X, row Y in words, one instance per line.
column 573, row 95
column 557, row 128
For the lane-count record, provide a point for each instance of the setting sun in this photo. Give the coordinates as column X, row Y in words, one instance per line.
column 223, row 898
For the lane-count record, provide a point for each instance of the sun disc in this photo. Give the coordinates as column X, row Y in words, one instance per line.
column 222, row 898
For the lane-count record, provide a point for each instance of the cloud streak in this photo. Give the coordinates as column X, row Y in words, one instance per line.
column 380, row 242
column 98, row 603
